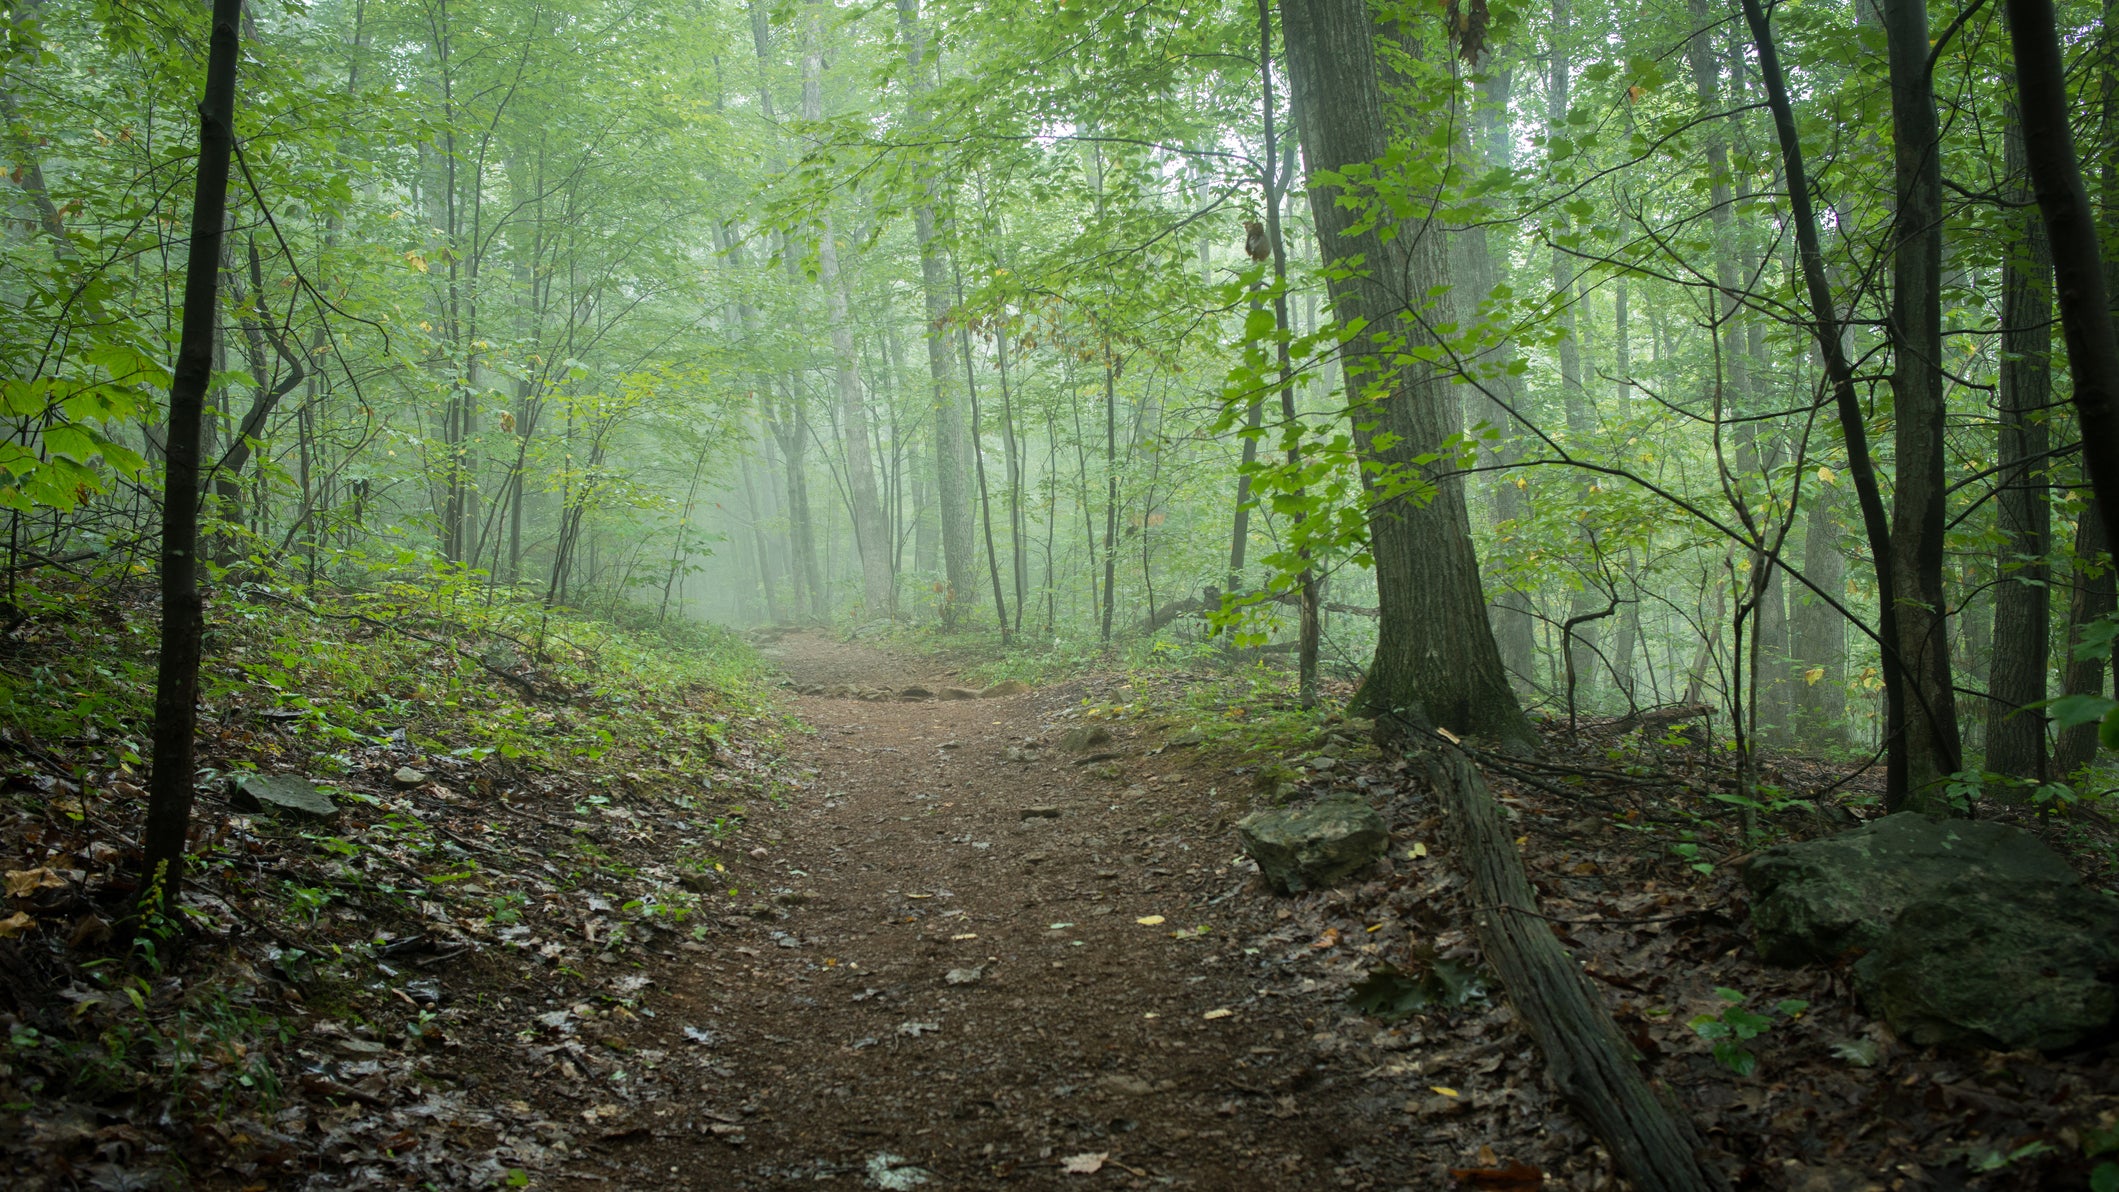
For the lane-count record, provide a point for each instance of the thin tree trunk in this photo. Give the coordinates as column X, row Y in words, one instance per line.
column 1826, row 329
column 183, row 615
column 951, row 443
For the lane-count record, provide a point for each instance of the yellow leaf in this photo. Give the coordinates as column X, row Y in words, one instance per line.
column 1419, row 850
column 1436, row 1088
column 1214, row 1014
column 416, row 261
column 1150, row 920
column 1812, row 675
column 1826, row 475
column 1522, row 483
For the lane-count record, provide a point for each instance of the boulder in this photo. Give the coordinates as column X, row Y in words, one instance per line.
column 1976, row 934
column 2008, row 967
column 959, row 693
column 1084, row 737
column 1304, row 848
column 1812, row 900
column 281, row 794
column 406, row 778
column 1005, row 687
column 916, row 692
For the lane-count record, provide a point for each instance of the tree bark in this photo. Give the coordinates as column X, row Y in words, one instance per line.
column 177, row 678
column 1827, row 331
column 1592, row 1064
column 2022, row 601
column 1929, row 726
column 2078, row 256
column 951, row 444
column 1436, row 663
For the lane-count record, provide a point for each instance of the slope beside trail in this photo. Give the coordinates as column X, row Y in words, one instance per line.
column 945, row 973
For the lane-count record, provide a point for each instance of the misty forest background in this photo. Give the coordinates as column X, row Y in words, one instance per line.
column 1013, row 323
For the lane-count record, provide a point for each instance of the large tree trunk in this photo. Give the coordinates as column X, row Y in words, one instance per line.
column 2022, row 602
column 951, row 444
column 177, row 677
column 1436, row 662
column 1928, row 729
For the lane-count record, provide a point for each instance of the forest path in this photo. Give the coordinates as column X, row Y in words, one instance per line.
column 933, row 978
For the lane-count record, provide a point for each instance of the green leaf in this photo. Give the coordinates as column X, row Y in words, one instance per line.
column 2071, row 710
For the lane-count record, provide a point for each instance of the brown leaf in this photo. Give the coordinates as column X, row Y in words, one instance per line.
column 1516, row 1177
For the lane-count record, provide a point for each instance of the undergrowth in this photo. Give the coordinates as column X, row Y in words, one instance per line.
column 417, row 695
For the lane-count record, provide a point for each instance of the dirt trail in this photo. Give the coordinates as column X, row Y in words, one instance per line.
column 834, row 1036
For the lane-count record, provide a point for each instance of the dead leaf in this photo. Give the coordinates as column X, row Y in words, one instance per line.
column 1516, row 1177
column 21, row 883
column 1150, row 920
column 1223, row 1012
column 1088, row 1163
column 15, row 925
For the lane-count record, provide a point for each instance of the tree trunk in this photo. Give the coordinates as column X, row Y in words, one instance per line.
column 177, row 676
column 1827, row 331
column 951, row 444
column 1515, row 630
column 2016, row 743
column 1436, row 662
column 2079, row 263
column 1581, row 662
column 1929, row 727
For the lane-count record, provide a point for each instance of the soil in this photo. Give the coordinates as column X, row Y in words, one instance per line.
column 948, row 969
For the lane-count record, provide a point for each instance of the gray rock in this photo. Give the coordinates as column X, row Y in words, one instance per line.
column 1303, row 848
column 959, row 693
column 1083, row 737
column 1185, row 739
column 916, row 692
column 2008, row 966
column 1813, row 900
column 406, row 778
column 281, row 793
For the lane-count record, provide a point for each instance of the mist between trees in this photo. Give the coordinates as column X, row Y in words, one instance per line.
column 1473, row 355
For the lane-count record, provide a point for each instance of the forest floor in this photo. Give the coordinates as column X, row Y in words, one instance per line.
column 986, row 960
column 898, row 940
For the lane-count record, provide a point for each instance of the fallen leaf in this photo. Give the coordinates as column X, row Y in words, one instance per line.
column 1436, row 1088
column 1418, row 851
column 1329, row 939
column 15, row 925
column 1150, row 920
column 1223, row 1012
column 1516, row 1177
column 1088, row 1163
column 21, row 883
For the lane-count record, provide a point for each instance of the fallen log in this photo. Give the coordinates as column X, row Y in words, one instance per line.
column 1592, row 1064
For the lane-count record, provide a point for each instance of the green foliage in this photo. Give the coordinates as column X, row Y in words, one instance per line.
column 1736, row 1026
